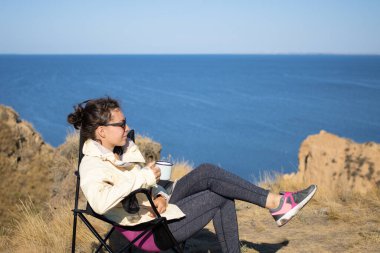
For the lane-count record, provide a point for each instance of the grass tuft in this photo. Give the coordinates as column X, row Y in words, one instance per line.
column 180, row 168
column 47, row 230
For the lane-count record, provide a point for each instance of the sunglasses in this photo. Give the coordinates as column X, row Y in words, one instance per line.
column 122, row 124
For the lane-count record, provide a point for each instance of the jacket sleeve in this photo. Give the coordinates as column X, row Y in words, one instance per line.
column 159, row 190
column 102, row 191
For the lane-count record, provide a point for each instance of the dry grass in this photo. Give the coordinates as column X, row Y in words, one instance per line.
column 340, row 222
column 48, row 230
column 180, row 169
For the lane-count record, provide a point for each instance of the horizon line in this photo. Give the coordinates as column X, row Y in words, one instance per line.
column 189, row 54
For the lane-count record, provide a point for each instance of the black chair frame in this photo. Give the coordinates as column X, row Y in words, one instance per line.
column 144, row 227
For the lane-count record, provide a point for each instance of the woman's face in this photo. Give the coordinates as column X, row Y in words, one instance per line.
column 114, row 133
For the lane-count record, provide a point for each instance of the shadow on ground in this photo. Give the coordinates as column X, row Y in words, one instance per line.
column 265, row 247
column 204, row 241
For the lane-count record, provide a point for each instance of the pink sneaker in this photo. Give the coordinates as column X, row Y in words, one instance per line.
column 291, row 203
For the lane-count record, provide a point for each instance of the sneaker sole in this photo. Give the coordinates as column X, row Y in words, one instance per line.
column 289, row 215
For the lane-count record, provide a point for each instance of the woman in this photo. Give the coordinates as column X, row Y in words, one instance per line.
column 206, row 193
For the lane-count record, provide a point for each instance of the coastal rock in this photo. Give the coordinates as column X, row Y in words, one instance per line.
column 63, row 168
column 24, row 162
column 339, row 163
column 150, row 149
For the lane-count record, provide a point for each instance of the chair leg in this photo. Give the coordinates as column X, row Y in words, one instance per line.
column 105, row 239
column 177, row 247
column 87, row 223
column 74, row 232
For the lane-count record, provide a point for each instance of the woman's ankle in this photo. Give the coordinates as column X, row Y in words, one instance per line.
column 273, row 201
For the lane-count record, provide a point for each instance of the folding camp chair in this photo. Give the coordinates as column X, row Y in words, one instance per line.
column 142, row 233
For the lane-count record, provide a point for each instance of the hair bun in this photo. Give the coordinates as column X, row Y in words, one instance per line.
column 75, row 118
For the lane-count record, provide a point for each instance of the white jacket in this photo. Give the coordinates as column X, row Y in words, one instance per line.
column 105, row 181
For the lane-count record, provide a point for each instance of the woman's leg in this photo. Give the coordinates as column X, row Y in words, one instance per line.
column 212, row 178
column 202, row 207
column 226, row 227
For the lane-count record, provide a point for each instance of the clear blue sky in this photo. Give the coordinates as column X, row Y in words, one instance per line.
column 208, row 26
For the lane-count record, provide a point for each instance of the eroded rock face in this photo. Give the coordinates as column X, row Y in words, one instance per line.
column 339, row 163
column 150, row 149
column 24, row 162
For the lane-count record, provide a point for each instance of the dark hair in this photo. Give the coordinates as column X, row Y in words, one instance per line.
column 90, row 114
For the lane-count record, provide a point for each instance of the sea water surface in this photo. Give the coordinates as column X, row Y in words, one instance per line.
column 246, row 113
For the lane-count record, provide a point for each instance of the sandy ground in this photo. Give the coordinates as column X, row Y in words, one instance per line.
column 317, row 228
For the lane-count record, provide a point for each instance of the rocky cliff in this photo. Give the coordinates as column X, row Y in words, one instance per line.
column 24, row 163
column 339, row 163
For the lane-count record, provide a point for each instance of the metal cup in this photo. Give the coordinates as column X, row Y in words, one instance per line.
column 166, row 169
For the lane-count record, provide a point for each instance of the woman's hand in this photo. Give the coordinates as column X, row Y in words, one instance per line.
column 160, row 203
column 156, row 170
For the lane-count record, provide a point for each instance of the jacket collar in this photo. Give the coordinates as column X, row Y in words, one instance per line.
column 131, row 153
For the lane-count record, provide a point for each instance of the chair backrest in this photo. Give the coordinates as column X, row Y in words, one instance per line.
column 80, row 150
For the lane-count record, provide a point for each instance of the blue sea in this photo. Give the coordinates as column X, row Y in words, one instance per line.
column 246, row 113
